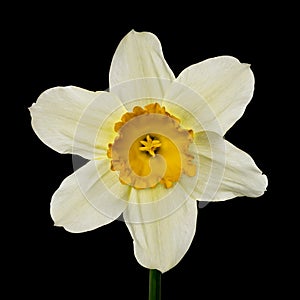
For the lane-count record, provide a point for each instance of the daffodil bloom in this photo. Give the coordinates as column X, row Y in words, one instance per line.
column 155, row 145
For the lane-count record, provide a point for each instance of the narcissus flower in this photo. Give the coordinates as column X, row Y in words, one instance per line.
column 155, row 145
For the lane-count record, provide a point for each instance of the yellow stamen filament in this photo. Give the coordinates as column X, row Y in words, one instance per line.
column 150, row 145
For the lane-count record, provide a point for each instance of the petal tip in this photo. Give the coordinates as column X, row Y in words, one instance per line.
column 140, row 34
column 132, row 31
column 30, row 108
column 266, row 182
column 262, row 186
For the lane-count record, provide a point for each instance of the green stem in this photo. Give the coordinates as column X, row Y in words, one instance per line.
column 154, row 285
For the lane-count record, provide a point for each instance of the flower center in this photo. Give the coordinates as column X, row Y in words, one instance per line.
column 150, row 145
column 151, row 148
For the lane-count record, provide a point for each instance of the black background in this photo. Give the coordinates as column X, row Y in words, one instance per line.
column 235, row 250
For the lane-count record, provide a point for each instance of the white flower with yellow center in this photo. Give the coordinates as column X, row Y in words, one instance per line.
column 155, row 145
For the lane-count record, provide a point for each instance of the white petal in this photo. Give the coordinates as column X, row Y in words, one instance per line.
column 162, row 244
column 68, row 120
column 152, row 204
column 139, row 62
column 191, row 108
column 226, row 84
column 89, row 198
column 138, row 55
column 140, row 92
column 225, row 171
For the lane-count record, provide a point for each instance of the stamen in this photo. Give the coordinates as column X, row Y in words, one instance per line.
column 150, row 145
